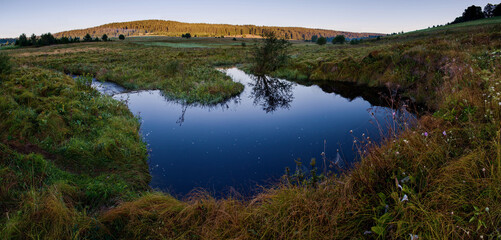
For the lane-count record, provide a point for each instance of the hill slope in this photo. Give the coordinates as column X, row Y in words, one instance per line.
column 172, row 28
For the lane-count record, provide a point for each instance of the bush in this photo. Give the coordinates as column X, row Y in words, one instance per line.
column 355, row 41
column 121, row 37
column 104, row 37
column 5, row 65
column 339, row 39
column 321, row 40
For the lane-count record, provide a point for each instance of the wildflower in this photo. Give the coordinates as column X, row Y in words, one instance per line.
column 426, row 134
column 444, row 133
column 351, row 131
column 405, row 198
column 452, row 213
column 483, row 169
column 406, row 141
column 396, row 153
column 487, row 209
column 414, row 236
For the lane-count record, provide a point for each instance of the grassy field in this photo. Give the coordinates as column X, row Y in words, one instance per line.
column 182, row 71
column 74, row 167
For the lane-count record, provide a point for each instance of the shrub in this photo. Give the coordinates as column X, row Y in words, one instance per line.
column 321, row 40
column 121, row 37
column 339, row 39
column 5, row 65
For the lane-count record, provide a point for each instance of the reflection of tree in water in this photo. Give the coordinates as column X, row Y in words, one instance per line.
column 210, row 107
column 271, row 93
column 180, row 120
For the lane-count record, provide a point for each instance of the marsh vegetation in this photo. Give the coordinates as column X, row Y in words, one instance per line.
column 73, row 164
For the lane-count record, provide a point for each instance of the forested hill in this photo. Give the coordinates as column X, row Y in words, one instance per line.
column 172, row 28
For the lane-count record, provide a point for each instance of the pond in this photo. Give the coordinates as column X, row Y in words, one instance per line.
column 248, row 141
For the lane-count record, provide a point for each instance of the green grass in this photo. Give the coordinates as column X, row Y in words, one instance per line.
column 187, row 74
column 65, row 150
column 8, row 47
column 464, row 25
column 72, row 164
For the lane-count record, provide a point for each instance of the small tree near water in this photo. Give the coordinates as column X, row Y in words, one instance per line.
column 121, row 37
column 270, row 55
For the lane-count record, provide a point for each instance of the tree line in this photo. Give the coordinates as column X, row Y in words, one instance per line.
column 177, row 29
column 47, row 39
column 475, row 12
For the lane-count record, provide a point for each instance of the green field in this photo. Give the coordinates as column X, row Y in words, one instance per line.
column 73, row 165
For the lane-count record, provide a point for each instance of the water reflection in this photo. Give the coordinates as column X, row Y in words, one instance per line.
column 237, row 145
column 271, row 93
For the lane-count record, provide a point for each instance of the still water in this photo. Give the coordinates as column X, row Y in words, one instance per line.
column 249, row 141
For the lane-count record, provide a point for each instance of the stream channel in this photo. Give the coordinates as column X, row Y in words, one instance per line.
column 248, row 141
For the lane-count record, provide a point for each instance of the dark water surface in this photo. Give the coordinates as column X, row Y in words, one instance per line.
column 251, row 139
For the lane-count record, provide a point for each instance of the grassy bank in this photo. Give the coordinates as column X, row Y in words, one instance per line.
column 66, row 151
column 438, row 180
column 182, row 71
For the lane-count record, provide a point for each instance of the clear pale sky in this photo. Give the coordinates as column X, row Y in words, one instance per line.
column 383, row 16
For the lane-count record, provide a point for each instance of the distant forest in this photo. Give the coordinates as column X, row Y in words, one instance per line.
column 7, row 40
column 177, row 29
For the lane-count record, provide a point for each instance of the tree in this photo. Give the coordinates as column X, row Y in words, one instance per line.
column 87, row 38
column 314, row 38
column 33, row 39
column 270, row 55
column 121, row 37
column 488, row 10
column 321, row 40
column 472, row 13
column 22, row 40
column 46, row 39
column 187, row 35
column 104, row 37
column 339, row 39
column 497, row 11
column 64, row 40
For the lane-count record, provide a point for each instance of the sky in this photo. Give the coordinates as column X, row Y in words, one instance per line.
column 383, row 16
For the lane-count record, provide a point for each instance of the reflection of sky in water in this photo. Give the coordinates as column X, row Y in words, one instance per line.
column 237, row 143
